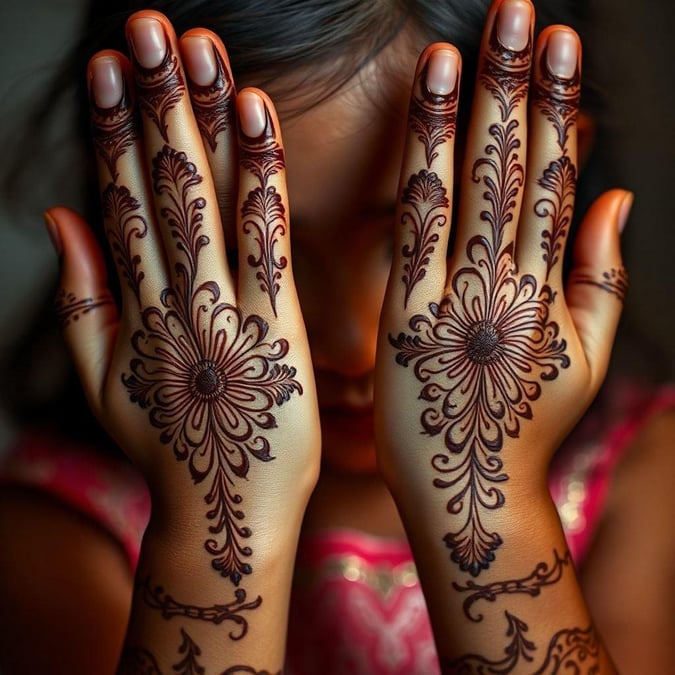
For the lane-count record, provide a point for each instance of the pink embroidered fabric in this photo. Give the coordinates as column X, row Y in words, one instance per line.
column 357, row 605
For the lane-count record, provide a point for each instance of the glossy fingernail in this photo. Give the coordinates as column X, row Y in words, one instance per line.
column 624, row 211
column 561, row 54
column 513, row 24
column 442, row 72
column 199, row 59
column 148, row 42
column 252, row 114
column 107, row 82
column 53, row 232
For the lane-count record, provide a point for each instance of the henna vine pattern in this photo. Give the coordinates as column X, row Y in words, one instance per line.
column 113, row 130
column 213, row 104
column 487, row 346
column 614, row 282
column 156, row 598
column 68, row 307
column 433, row 116
column 558, row 100
column 206, row 372
column 160, row 89
column 189, row 665
column 426, row 199
column 263, row 213
column 577, row 650
column 123, row 225
column 543, row 575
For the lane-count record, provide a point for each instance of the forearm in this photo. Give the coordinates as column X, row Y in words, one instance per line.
column 185, row 615
column 524, row 613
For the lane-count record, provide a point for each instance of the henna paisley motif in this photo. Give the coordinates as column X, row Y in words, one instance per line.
column 505, row 73
column 206, row 373
column 426, row 198
column 123, row 225
column 263, row 213
column 213, row 104
column 68, row 307
column 432, row 117
column 113, row 131
column 160, row 89
column 614, row 282
column 482, row 356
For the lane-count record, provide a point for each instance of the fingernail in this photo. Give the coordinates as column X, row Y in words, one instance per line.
column 107, row 83
column 513, row 24
column 148, row 42
column 442, row 72
column 199, row 60
column 624, row 211
column 53, row 232
column 252, row 114
column 561, row 54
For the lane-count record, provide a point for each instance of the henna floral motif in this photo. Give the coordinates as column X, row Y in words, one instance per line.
column 206, row 372
column 160, row 89
column 123, row 225
column 505, row 73
column 68, row 307
column 614, row 282
column 189, row 665
column 432, row 117
column 576, row 650
column 263, row 213
column 543, row 575
column 559, row 179
column 481, row 357
column 426, row 197
column 213, row 104
column 113, row 131
column 156, row 598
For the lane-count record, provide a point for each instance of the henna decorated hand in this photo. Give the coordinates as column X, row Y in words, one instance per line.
column 485, row 359
column 203, row 375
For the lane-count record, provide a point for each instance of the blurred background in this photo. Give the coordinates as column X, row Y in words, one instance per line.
column 632, row 50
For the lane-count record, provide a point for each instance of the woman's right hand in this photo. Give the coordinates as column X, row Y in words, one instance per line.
column 203, row 376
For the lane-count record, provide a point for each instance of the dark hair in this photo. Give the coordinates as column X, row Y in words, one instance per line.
column 327, row 40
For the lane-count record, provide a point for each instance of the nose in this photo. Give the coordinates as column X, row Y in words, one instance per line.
column 341, row 306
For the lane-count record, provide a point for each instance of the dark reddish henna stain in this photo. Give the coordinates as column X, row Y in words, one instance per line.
column 160, row 88
column 156, row 598
column 263, row 213
column 542, row 575
column 206, row 372
column 247, row 670
column 486, row 347
column 113, row 130
column 189, row 664
column 614, row 282
column 213, row 105
column 68, row 307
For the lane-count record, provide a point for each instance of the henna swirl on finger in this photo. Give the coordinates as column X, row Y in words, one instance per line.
column 160, row 89
column 113, row 130
column 505, row 73
column 68, row 307
column 615, row 281
column 213, row 105
column 263, row 212
column 432, row 116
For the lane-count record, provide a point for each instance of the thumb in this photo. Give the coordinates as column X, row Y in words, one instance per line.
column 598, row 281
column 84, row 305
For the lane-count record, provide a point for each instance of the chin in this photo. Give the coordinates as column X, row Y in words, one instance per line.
column 348, row 442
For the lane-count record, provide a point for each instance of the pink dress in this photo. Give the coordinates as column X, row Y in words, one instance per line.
column 357, row 606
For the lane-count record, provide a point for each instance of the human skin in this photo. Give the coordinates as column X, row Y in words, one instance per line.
column 349, row 278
